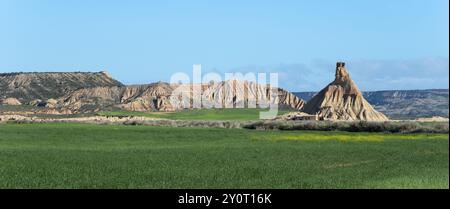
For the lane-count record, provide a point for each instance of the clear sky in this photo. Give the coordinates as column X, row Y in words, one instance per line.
column 387, row 44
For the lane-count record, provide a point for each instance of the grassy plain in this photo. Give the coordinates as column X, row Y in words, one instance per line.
column 199, row 114
column 68, row 155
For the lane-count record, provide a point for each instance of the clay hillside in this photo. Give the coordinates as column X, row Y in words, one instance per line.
column 23, row 88
column 342, row 100
column 164, row 97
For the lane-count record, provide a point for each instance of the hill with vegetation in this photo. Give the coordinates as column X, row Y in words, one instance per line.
column 26, row 87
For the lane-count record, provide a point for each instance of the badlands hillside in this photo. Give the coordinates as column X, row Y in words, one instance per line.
column 164, row 97
column 68, row 93
column 23, row 88
column 78, row 92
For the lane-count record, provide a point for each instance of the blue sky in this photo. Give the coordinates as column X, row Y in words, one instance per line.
column 401, row 44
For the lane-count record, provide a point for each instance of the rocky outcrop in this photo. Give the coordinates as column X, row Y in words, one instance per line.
column 10, row 101
column 342, row 100
column 298, row 116
column 35, row 102
column 27, row 87
column 50, row 103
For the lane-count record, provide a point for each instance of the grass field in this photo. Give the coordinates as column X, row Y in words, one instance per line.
column 199, row 114
column 112, row 156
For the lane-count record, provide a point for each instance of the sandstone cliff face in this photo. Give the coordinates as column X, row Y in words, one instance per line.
column 342, row 100
column 27, row 87
column 164, row 97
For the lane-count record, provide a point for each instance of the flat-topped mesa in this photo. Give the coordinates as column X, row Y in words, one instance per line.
column 342, row 100
column 30, row 86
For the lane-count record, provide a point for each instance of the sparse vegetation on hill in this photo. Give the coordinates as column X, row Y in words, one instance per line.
column 26, row 87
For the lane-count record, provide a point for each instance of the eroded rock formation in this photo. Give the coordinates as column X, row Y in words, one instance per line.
column 342, row 100
column 10, row 101
column 27, row 87
column 165, row 97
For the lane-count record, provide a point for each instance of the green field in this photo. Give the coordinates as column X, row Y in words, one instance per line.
column 113, row 156
column 199, row 114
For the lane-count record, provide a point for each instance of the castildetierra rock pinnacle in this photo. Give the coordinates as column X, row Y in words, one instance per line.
column 342, row 100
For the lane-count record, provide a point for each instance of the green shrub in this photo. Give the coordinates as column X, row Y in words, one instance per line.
column 354, row 126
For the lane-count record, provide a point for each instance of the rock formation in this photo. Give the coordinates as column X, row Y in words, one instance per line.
column 27, row 87
column 165, row 97
column 132, row 98
column 342, row 100
column 10, row 101
column 242, row 93
column 298, row 116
